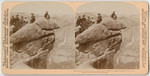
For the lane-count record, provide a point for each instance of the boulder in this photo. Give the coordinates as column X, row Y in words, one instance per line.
column 46, row 24
column 113, row 24
column 94, row 33
column 106, row 61
column 97, row 48
column 32, row 47
column 19, row 47
column 114, row 42
column 33, row 31
column 27, row 33
column 47, row 42
column 33, row 42
column 106, row 48
column 39, row 62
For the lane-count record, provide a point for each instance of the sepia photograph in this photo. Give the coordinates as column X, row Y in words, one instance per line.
column 107, row 36
column 42, row 36
column 74, row 37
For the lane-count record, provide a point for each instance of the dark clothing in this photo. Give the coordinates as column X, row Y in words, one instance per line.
column 21, row 20
column 84, row 25
column 99, row 19
column 32, row 19
column 12, row 21
column 114, row 16
column 88, row 21
column 46, row 14
column 47, row 17
column 78, row 22
column 83, row 19
column 17, row 19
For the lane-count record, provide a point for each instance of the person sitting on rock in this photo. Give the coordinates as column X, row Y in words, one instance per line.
column 83, row 18
column 17, row 18
column 113, row 16
column 32, row 18
column 79, row 20
column 22, row 20
column 12, row 21
column 89, row 20
column 99, row 18
column 25, row 20
column 16, row 23
column 92, row 20
column 47, row 17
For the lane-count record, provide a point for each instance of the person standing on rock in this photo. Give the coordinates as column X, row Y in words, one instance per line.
column 99, row 18
column 12, row 21
column 113, row 16
column 79, row 20
column 32, row 18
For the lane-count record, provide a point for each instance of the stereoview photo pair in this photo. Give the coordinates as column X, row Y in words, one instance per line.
column 74, row 37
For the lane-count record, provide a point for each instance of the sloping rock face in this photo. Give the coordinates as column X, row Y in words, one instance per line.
column 62, row 55
column 128, row 56
column 31, row 44
column 27, row 33
column 100, row 41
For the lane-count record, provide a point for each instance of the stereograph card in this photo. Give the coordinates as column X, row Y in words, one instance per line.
column 74, row 37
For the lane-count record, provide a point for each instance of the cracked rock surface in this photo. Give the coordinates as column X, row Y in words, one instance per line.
column 31, row 44
column 103, row 46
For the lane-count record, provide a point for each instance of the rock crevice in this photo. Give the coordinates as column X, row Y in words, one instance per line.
column 30, row 41
column 102, row 40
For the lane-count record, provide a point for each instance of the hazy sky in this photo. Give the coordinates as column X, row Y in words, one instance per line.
column 108, row 7
column 42, row 7
column 63, row 9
